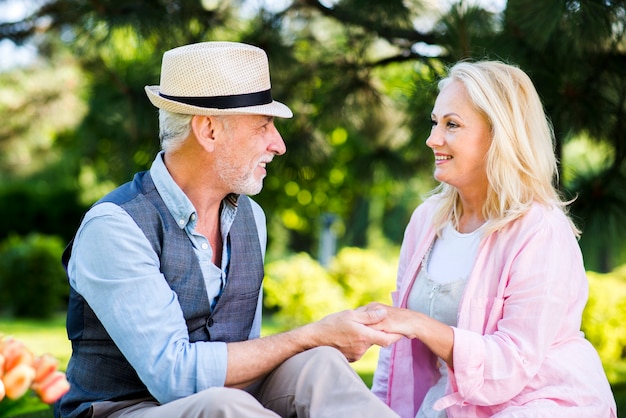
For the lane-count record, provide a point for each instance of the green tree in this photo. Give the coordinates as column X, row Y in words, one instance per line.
column 576, row 54
column 360, row 77
column 332, row 86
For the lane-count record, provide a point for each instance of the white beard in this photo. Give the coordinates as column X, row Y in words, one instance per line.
column 239, row 183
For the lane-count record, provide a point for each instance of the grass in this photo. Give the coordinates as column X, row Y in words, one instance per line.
column 49, row 336
column 40, row 336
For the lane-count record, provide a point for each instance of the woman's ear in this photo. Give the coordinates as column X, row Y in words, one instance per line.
column 203, row 128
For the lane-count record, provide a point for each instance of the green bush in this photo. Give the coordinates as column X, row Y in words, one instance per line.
column 364, row 275
column 32, row 279
column 302, row 291
column 603, row 320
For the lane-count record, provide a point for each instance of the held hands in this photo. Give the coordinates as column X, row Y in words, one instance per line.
column 437, row 336
column 353, row 332
column 396, row 321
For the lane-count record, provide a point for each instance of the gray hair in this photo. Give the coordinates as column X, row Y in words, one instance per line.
column 174, row 128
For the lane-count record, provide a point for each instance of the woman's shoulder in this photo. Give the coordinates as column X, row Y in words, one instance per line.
column 544, row 213
column 543, row 219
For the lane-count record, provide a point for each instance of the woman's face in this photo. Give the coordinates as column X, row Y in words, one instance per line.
column 460, row 138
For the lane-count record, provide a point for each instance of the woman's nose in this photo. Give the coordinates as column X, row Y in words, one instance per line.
column 435, row 139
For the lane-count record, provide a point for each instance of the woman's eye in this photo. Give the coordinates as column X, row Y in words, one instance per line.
column 452, row 125
column 433, row 122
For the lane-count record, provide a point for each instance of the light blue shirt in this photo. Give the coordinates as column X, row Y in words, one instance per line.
column 114, row 267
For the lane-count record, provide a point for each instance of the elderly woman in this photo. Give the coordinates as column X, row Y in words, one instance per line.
column 491, row 284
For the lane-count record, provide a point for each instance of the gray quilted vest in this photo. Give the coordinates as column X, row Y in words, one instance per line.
column 97, row 369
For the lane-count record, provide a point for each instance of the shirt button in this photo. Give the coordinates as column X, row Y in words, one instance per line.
column 205, row 246
column 193, row 216
column 182, row 222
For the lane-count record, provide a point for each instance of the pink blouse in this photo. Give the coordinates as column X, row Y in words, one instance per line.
column 518, row 345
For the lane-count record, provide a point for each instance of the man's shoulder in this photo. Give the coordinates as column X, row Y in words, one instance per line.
column 128, row 191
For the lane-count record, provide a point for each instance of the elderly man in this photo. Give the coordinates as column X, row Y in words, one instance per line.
column 166, row 271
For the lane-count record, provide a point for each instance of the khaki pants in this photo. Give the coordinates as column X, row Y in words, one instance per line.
column 316, row 383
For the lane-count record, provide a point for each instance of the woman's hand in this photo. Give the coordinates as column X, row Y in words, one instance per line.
column 396, row 321
column 437, row 336
column 354, row 331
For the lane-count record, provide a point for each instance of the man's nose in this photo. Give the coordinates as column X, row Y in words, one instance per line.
column 277, row 145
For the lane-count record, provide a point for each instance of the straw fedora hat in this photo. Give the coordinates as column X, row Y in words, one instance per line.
column 216, row 78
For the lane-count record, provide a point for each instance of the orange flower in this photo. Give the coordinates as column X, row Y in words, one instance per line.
column 17, row 381
column 52, row 387
column 20, row 371
column 15, row 352
column 44, row 365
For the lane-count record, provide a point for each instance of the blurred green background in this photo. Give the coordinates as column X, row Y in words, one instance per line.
column 360, row 76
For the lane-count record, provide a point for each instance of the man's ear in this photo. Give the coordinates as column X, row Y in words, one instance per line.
column 203, row 128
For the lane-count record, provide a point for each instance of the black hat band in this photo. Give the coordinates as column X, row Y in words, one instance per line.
column 225, row 102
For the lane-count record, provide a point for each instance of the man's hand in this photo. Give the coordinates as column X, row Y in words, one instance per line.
column 353, row 332
column 437, row 336
column 350, row 332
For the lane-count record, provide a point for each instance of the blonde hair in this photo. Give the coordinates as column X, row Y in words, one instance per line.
column 521, row 164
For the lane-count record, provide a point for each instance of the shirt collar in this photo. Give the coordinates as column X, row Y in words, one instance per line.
column 177, row 201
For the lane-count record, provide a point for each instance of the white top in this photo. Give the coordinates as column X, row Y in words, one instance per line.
column 453, row 255
column 437, row 291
